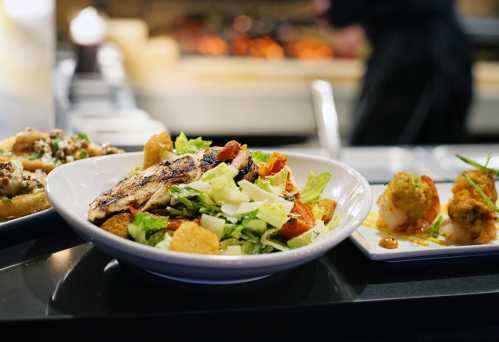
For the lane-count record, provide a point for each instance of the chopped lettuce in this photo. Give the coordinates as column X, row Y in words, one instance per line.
column 213, row 223
column 274, row 214
column 148, row 229
column 255, row 193
column 193, row 201
column 260, row 157
column 317, row 232
column 232, row 250
column 223, row 189
column 221, row 170
column 267, row 240
column 165, row 243
column 184, row 145
column 147, row 221
column 275, row 183
column 256, row 226
column 314, row 186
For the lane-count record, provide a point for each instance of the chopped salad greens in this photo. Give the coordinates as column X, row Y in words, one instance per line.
column 234, row 207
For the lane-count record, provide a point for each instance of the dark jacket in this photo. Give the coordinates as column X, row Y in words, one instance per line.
column 418, row 84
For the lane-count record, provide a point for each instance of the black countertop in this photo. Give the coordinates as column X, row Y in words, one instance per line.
column 57, row 283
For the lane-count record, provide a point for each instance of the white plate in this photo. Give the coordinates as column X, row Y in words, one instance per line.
column 367, row 238
column 20, row 221
column 445, row 156
column 73, row 186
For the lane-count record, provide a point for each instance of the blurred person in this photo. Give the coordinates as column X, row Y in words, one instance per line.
column 418, row 85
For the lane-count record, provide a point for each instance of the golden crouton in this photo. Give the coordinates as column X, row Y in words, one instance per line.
column 328, row 206
column 118, row 224
column 155, row 147
column 192, row 238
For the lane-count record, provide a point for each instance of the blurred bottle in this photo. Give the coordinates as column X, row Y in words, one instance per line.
column 26, row 60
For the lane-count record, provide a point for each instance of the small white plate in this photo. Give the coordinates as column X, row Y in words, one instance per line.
column 73, row 186
column 21, row 221
column 367, row 238
column 445, row 156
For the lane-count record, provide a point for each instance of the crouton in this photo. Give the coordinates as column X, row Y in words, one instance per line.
column 155, row 147
column 190, row 237
column 118, row 224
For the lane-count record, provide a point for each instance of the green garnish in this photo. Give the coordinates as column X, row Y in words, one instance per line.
column 54, row 145
column 488, row 158
column 479, row 166
column 416, row 182
column 482, row 194
column 83, row 136
column 2, row 152
column 35, row 155
column 435, row 227
column 83, row 154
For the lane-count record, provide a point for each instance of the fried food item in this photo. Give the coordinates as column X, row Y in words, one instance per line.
column 483, row 179
column 22, row 205
column 44, row 151
column 409, row 203
column 26, row 158
column 118, row 224
column 155, row 148
column 472, row 220
column 190, row 237
column 21, row 192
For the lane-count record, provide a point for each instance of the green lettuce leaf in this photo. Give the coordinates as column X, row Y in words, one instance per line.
column 314, row 186
column 192, row 202
column 273, row 213
column 223, row 189
column 259, row 157
column 184, row 145
column 148, row 229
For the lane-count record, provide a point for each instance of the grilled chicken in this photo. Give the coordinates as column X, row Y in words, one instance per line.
column 149, row 188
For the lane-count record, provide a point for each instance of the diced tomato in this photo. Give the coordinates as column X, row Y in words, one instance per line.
column 303, row 221
column 229, row 151
column 133, row 210
column 275, row 164
column 175, row 223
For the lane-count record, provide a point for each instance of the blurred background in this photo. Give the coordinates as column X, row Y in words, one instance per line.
column 122, row 70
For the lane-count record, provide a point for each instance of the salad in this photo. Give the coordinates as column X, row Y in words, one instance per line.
column 192, row 197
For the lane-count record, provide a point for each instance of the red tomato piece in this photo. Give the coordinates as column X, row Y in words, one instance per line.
column 229, row 151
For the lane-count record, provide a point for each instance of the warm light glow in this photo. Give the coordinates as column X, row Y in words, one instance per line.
column 242, row 23
column 88, row 27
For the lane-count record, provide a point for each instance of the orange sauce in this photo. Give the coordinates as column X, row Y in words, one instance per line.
column 388, row 242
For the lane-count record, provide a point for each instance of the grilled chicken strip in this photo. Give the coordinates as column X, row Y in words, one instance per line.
column 149, row 188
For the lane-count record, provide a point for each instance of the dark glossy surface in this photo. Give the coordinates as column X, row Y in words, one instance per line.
column 42, row 278
column 57, row 277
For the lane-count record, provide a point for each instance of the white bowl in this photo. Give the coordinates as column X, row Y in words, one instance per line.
column 73, row 186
